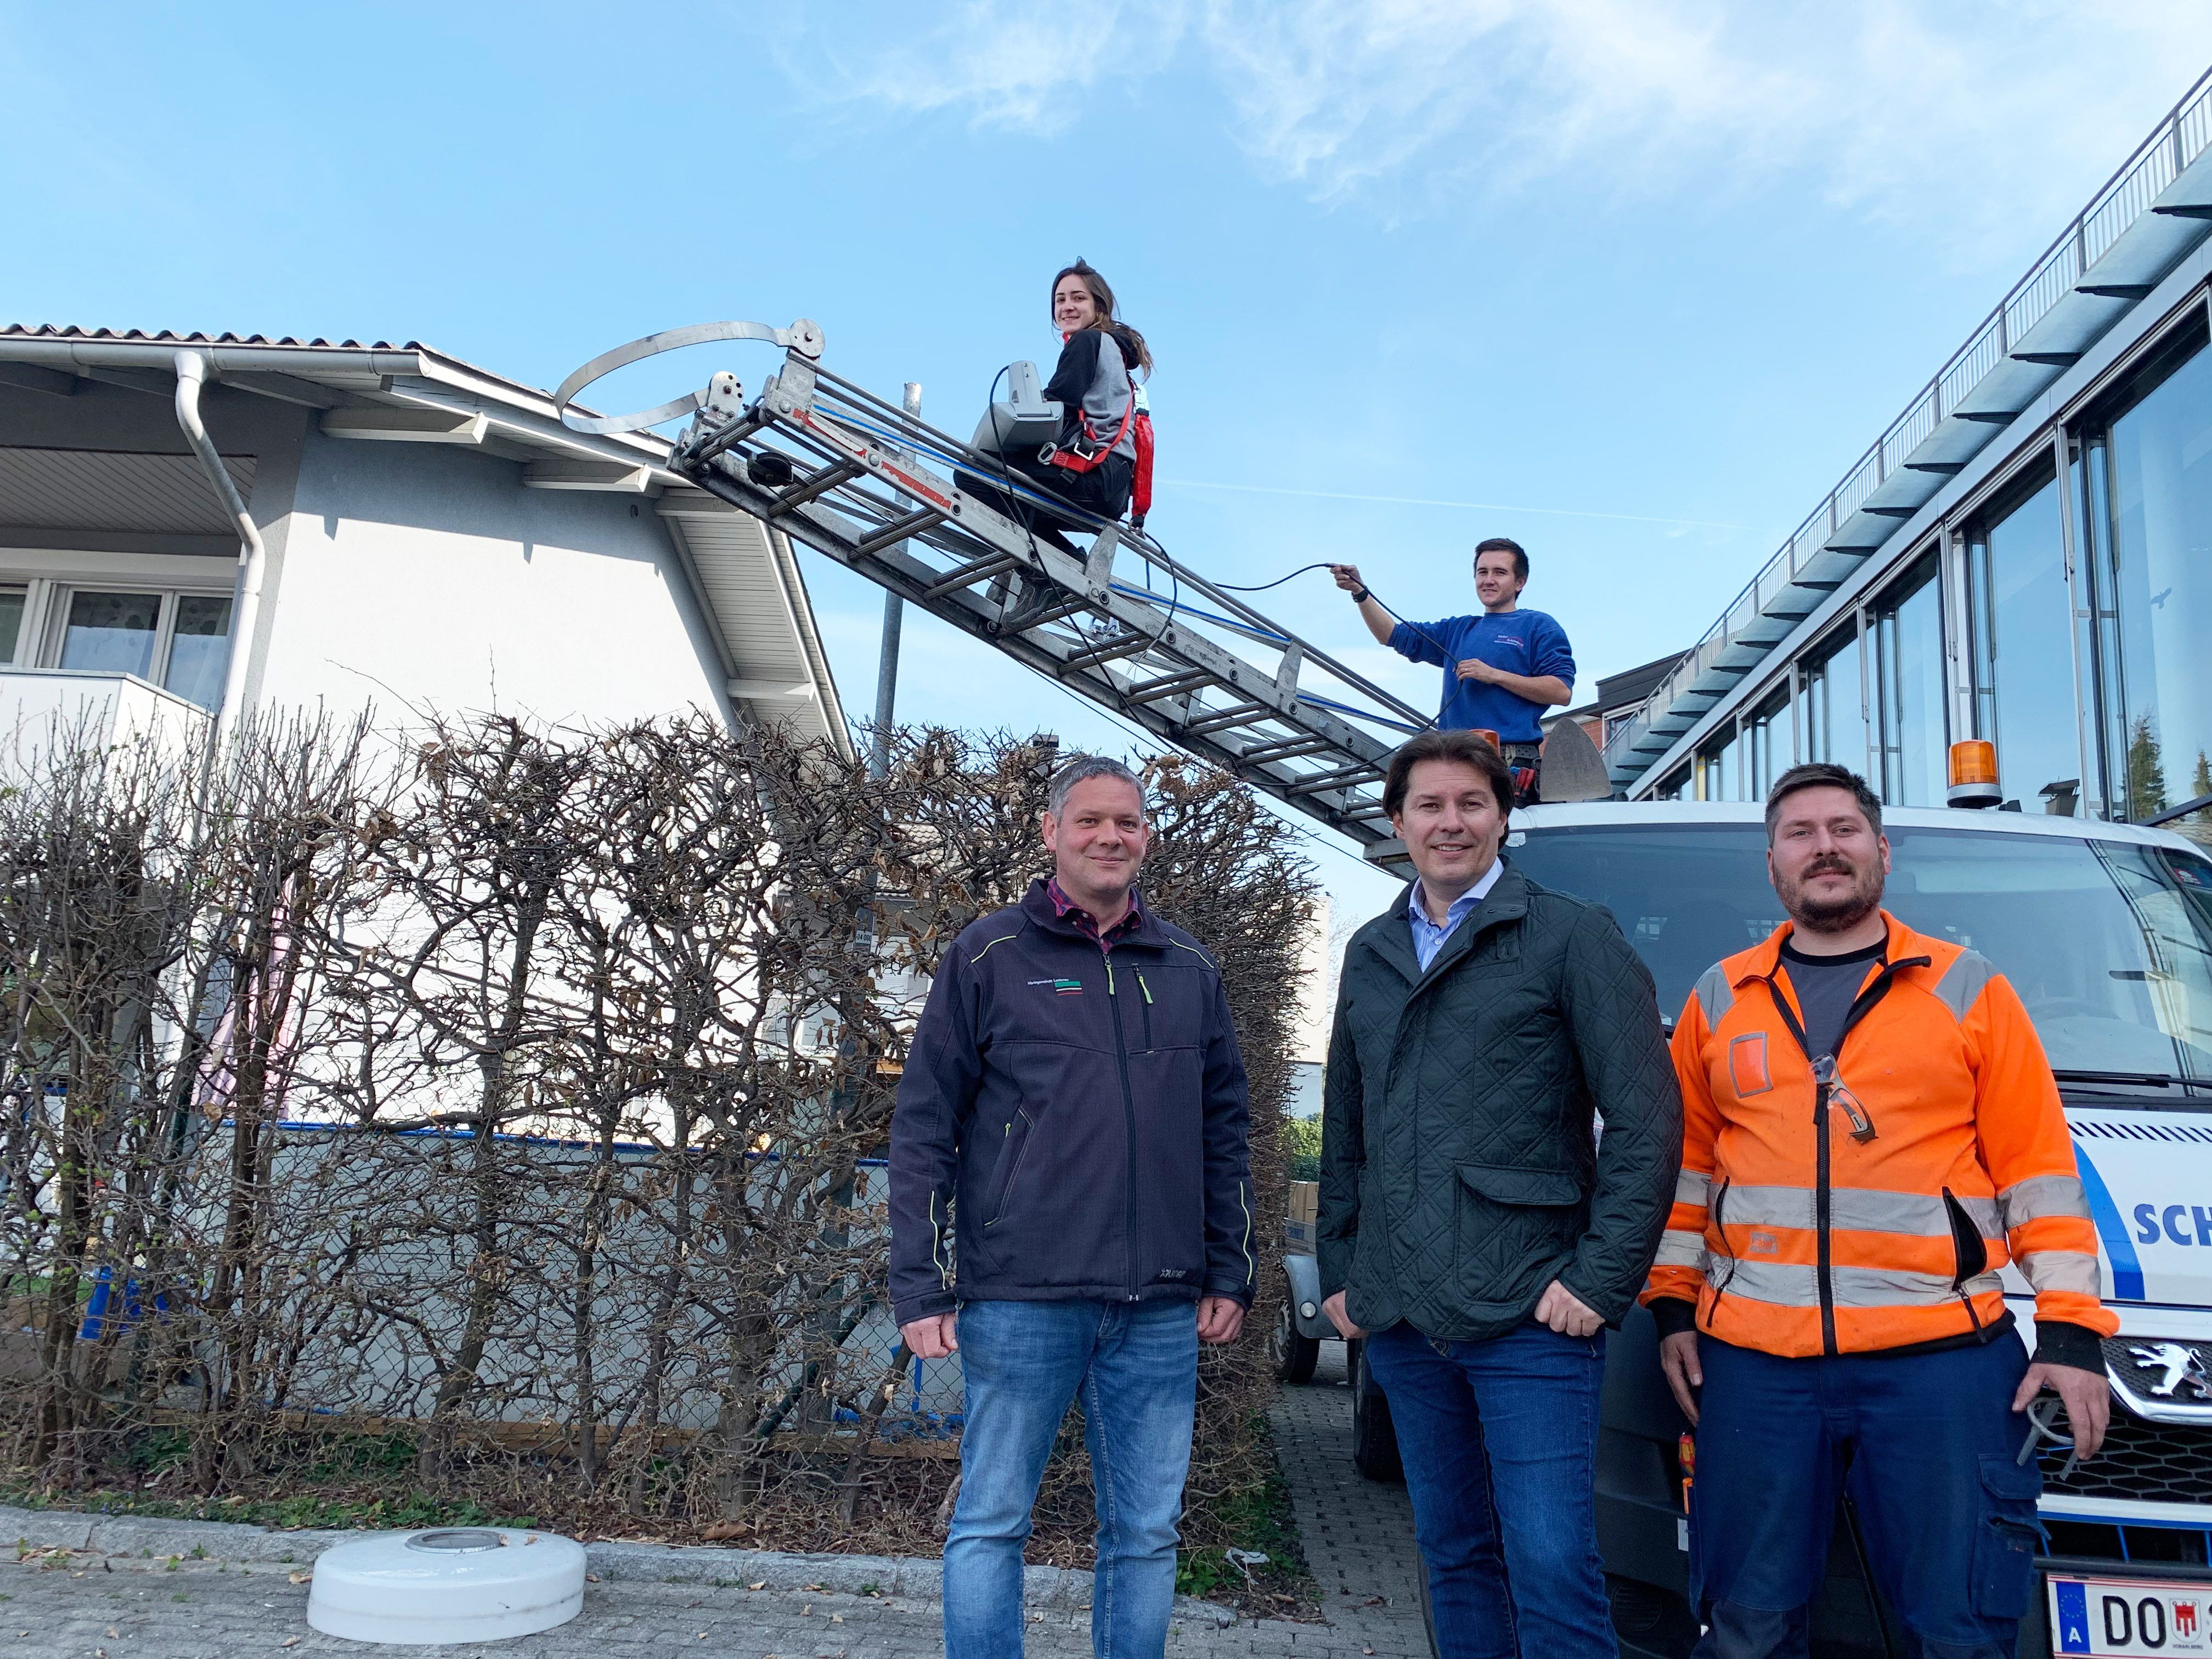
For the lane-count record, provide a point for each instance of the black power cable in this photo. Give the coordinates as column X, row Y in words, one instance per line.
column 1262, row 588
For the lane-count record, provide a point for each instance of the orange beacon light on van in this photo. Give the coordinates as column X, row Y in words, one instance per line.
column 1974, row 774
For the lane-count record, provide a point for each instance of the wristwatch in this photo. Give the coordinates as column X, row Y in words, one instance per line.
column 1360, row 598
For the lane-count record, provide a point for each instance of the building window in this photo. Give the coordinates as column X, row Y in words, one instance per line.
column 178, row 641
column 1766, row 746
column 1834, row 707
column 1676, row 788
column 199, row 648
column 2147, row 508
column 1909, row 657
column 111, row 633
column 12, row 600
column 1720, row 769
column 2021, row 623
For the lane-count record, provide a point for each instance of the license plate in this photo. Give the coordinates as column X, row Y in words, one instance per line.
column 2130, row 1617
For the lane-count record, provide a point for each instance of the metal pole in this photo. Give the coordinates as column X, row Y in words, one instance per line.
column 879, row 761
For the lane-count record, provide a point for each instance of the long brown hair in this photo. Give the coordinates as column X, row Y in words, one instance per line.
column 1133, row 345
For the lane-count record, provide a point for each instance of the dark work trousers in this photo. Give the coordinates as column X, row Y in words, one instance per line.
column 1103, row 490
column 1927, row 1447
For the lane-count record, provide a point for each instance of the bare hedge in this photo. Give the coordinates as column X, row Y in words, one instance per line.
column 493, row 1115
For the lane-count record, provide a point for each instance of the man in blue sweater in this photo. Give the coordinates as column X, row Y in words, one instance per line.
column 1502, row 669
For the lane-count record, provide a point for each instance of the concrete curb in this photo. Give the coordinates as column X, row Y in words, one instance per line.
column 916, row 1578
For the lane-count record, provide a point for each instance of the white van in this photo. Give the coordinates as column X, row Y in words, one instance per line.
column 2106, row 930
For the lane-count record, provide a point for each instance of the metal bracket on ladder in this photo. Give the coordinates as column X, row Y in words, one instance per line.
column 868, row 484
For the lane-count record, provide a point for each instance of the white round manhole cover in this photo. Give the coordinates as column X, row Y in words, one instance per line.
column 449, row 1584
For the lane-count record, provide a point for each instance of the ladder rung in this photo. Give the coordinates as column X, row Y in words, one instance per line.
column 972, row 572
column 1052, row 613
column 821, row 484
column 1128, row 645
column 1337, row 779
column 1244, row 716
column 912, row 525
column 1022, row 622
column 1288, row 749
column 1171, row 685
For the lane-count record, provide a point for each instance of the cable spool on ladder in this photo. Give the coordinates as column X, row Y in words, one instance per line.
column 1122, row 623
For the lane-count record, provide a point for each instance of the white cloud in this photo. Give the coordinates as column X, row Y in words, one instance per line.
column 1002, row 65
column 1973, row 114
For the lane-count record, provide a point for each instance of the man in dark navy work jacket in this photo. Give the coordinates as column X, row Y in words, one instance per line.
column 1502, row 669
column 1072, row 1211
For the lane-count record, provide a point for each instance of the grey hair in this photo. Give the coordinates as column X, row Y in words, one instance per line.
column 1090, row 766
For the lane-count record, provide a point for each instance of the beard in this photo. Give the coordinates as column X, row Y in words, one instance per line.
column 1833, row 915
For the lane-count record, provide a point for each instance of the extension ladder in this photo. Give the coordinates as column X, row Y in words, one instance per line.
column 1122, row 623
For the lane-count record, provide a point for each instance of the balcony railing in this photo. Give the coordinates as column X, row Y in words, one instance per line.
column 37, row 705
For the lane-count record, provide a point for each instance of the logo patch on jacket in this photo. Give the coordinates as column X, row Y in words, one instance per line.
column 1065, row 988
column 1748, row 1064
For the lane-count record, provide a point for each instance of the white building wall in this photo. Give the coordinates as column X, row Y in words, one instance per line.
column 428, row 574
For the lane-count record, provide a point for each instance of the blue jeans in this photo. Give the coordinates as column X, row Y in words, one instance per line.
column 1134, row 1365
column 1928, row 1448
column 1499, row 1441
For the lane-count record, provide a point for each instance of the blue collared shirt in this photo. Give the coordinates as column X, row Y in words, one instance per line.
column 1428, row 938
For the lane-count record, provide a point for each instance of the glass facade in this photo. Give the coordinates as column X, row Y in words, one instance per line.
column 2148, row 512
column 11, row 622
column 1909, row 652
column 1832, row 707
column 1720, row 770
column 2022, row 619
column 1766, row 745
column 2069, row 622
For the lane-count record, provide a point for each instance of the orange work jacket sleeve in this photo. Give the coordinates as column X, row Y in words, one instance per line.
column 2025, row 1146
column 1678, row 1270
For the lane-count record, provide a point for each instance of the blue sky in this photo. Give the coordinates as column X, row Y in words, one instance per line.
column 1632, row 281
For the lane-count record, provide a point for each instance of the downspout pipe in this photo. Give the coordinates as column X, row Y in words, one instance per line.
column 246, row 594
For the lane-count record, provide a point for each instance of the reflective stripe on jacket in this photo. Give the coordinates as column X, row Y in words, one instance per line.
column 1874, row 1213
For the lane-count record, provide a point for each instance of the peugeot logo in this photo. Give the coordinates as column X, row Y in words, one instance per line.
column 2184, row 1373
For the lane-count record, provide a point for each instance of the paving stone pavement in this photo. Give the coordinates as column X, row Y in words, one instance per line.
column 78, row 1603
column 84, row 1607
column 1357, row 1533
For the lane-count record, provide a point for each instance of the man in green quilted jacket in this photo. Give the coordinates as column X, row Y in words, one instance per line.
column 1476, row 1228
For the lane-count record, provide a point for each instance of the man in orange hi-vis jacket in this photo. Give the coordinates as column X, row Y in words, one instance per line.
column 1870, row 1133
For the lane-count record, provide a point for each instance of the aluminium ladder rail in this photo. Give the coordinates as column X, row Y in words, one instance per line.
column 827, row 462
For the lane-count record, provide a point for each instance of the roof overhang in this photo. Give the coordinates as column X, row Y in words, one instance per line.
column 743, row 575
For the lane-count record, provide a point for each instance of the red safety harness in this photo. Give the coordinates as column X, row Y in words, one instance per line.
column 1084, row 451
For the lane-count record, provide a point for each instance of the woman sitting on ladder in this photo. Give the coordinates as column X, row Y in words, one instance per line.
column 1094, row 464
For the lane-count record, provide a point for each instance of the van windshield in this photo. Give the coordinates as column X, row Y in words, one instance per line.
column 2108, row 943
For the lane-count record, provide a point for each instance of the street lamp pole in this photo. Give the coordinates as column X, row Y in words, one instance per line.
column 879, row 761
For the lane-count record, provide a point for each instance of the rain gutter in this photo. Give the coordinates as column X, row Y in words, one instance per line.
column 245, row 594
